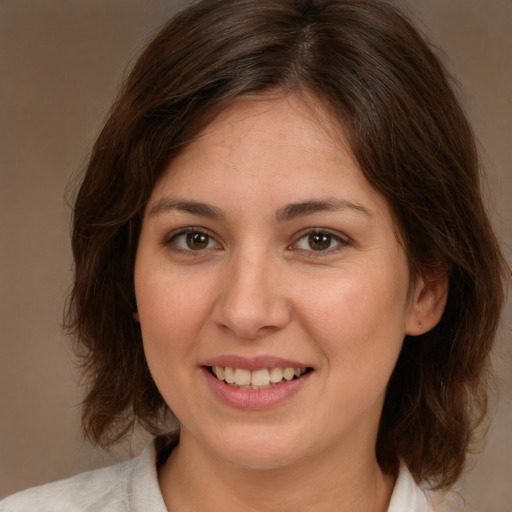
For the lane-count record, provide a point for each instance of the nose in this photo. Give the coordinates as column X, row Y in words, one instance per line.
column 252, row 301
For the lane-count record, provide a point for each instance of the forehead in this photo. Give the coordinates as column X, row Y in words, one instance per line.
column 286, row 134
column 290, row 117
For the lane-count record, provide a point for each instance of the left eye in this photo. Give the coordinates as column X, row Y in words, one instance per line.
column 319, row 241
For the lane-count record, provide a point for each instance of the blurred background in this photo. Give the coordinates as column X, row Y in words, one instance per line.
column 61, row 62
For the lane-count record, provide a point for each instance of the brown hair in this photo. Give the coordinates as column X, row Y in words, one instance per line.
column 373, row 71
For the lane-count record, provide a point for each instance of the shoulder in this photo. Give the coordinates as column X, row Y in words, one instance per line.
column 408, row 495
column 82, row 492
column 120, row 488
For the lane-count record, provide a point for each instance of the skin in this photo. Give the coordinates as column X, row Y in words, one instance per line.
column 257, row 286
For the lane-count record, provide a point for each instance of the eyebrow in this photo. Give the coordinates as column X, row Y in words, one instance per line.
column 286, row 213
column 195, row 207
column 294, row 210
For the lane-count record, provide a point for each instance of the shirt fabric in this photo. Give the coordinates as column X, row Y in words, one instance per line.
column 132, row 486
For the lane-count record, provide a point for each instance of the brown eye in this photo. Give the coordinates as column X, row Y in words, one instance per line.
column 197, row 241
column 319, row 241
column 191, row 240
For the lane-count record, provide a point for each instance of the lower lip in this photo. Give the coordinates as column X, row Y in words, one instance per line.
column 254, row 398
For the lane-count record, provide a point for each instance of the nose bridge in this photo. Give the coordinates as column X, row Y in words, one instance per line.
column 252, row 301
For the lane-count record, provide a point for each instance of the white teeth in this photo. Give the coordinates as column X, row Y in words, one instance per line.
column 242, row 377
column 263, row 378
column 260, row 377
column 229, row 375
column 289, row 373
column 276, row 375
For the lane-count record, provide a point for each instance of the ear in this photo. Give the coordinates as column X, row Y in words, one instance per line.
column 136, row 316
column 428, row 302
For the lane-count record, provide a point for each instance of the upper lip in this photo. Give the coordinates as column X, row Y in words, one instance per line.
column 253, row 363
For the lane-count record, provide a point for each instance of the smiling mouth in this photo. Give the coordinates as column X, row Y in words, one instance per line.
column 257, row 379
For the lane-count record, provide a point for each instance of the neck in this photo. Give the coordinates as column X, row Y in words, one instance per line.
column 194, row 479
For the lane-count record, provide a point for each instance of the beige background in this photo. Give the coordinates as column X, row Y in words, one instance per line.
column 60, row 64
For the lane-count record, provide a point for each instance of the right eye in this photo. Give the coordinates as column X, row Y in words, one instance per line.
column 191, row 240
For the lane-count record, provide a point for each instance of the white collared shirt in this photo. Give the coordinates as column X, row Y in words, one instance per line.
column 132, row 486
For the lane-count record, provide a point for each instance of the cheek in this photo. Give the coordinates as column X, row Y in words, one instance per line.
column 171, row 311
column 359, row 320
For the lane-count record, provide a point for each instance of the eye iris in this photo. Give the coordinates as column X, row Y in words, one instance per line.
column 196, row 241
column 319, row 241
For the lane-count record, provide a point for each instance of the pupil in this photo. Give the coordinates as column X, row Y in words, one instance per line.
column 319, row 241
column 197, row 241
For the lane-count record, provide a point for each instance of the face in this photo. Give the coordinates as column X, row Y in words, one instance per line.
column 272, row 289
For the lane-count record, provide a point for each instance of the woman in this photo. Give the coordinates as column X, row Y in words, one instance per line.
column 280, row 238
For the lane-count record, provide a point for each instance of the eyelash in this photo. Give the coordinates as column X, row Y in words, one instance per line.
column 170, row 240
column 332, row 237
